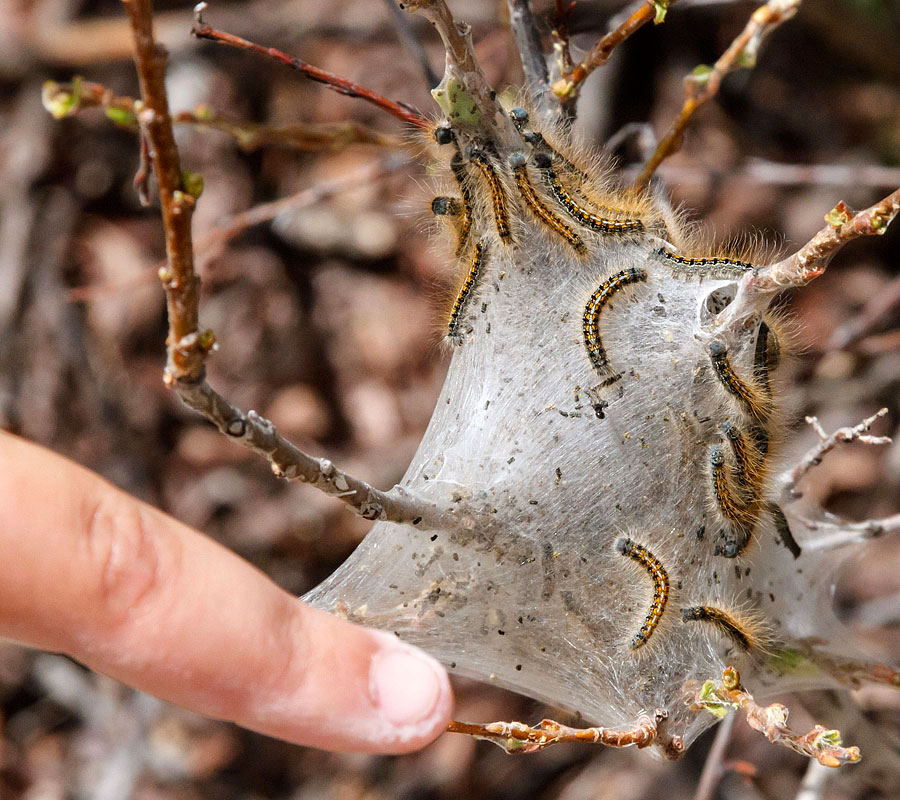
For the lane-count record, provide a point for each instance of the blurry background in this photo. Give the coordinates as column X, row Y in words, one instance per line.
column 328, row 319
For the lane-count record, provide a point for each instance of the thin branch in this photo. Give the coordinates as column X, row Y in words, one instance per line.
column 517, row 737
column 568, row 87
column 564, row 9
column 211, row 245
column 534, row 64
column 876, row 308
column 810, row 261
column 824, row 745
column 714, row 766
column 179, row 280
column 814, row 456
column 852, row 673
column 841, row 533
column 340, row 85
column 188, row 346
column 65, row 99
column 812, row 786
column 411, row 42
column 703, row 83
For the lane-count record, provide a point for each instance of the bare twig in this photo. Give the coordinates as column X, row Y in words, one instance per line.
column 65, row 99
column 714, row 767
column 840, row 533
column 411, row 42
column 810, row 261
column 852, row 673
column 188, row 346
column 213, row 242
column 812, row 787
column 340, row 85
column 824, row 745
column 878, row 305
column 569, row 85
column 813, row 457
column 704, row 82
column 517, row 737
column 564, row 9
column 534, row 64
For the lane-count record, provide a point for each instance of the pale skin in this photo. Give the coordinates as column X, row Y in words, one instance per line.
column 91, row 572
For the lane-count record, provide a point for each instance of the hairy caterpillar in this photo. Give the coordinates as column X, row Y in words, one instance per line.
column 591, row 319
column 519, row 167
column 660, row 579
column 464, row 296
column 747, row 631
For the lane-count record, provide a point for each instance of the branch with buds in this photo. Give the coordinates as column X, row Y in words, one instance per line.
column 719, row 697
column 517, row 737
column 702, row 85
column 188, row 346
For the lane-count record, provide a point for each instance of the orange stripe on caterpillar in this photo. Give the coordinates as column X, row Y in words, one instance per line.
column 458, row 168
column 740, row 517
column 750, row 467
column 519, row 167
column 464, row 295
column 581, row 215
column 498, row 198
column 591, row 320
column 755, row 403
column 660, row 579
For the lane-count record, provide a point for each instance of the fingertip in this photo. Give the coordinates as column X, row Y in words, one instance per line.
column 411, row 692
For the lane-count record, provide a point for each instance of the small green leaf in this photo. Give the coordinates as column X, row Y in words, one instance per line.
column 61, row 102
column 700, row 74
column 456, row 102
column 192, row 183
column 122, row 116
column 661, row 7
column 837, row 216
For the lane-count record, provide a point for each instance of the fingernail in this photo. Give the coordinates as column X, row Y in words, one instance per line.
column 406, row 685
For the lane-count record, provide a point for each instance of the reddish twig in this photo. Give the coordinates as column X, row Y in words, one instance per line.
column 569, row 85
column 340, row 85
column 704, row 82
column 517, row 737
column 858, row 433
column 824, row 745
column 188, row 346
column 852, row 673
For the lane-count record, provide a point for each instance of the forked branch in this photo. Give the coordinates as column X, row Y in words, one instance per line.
column 188, row 346
column 517, row 737
column 718, row 697
column 814, row 456
column 703, row 83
